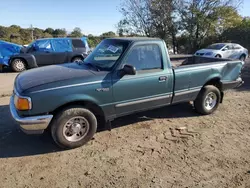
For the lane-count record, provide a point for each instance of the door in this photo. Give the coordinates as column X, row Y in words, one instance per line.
column 43, row 52
column 228, row 51
column 150, row 87
column 62, row 49
column 238, row 51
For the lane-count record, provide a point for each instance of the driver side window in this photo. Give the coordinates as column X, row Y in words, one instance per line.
column 43, row 45
column 145, row 57
column 229, row 47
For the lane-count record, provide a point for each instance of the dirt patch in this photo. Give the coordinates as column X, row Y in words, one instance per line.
column 168, row 147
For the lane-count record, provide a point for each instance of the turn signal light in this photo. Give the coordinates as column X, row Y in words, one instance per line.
column 22, row 103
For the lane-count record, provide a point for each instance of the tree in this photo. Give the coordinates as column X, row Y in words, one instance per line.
column 49, row 30
column 108, row 34
column 201, row 18
column 137, row 17
column 149, row 18
column 38, row 33
column 47, row 35
column 77, row 32
column 239, row 34
column 59, row 33
column 3, row 32
column 164, row 21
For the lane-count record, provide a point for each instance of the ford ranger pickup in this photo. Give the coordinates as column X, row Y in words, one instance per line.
column 120, row 77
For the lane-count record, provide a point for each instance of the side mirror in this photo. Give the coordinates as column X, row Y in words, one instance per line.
column 128, row 70
column 225, row 49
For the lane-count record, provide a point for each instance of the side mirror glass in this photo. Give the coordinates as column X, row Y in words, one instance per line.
column 128, row 70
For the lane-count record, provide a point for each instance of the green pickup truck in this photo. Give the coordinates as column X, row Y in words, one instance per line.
column 120, row 77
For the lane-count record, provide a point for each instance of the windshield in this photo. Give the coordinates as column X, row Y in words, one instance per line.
column 216, row 46
column 106, row 54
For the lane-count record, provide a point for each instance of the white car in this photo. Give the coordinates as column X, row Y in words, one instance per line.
column 224, row 50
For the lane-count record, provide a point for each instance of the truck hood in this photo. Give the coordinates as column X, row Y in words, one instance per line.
column 54, row 73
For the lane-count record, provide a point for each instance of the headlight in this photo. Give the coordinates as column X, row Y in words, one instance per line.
column 22, row 103
column 209, row 53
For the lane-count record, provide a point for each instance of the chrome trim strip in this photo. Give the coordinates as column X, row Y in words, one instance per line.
column 23, row 97
column 74, row 85
column 32, row 123
column 187, row 92
column 142, row 101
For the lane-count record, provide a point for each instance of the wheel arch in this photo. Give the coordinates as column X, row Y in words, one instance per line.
column 75, row 56
column 215, row 81
column 29, row 59
column 22, row 58
column 90, row 105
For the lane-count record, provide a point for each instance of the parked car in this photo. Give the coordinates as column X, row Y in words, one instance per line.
column 73, row 99
column 8, row 49
column 49, row 51
column 224, row 50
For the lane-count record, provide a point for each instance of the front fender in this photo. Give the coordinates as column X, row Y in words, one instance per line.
column 29, row 59
column 74, row 98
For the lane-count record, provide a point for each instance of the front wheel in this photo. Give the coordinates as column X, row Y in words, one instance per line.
column 218, row 56
column 77, row 59
column 243, row 58
column 208, row 100
column 73, row 127
column 18, row 65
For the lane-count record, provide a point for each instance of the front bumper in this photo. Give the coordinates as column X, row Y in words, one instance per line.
column 233, row 84
column 32, row 124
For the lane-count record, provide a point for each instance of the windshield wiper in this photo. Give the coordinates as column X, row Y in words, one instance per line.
column 92, row 65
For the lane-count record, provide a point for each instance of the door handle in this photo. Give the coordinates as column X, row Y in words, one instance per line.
column 162, row 78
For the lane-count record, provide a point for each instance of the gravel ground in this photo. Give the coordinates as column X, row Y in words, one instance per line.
column 143, row 150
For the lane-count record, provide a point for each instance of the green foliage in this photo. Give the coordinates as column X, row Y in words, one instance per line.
column 77, row 32
column 108, row 34
column 193, row 22
column 239, row 34
column 49, row 31
column 93, row 41
column 59, row 33
column 22, row 36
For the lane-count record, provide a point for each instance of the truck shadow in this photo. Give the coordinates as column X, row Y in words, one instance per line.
column 14, row 143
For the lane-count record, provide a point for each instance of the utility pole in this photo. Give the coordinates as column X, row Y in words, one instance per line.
column 32, row 34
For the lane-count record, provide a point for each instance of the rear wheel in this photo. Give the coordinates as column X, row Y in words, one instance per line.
column 73, row 127
column 77, row 59
column 218, row 56
column 208, row 100
column 242, row 57
column 18, row 65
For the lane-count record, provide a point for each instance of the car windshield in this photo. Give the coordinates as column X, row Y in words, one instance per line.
column 106, row 54
column 31, row 44
column 216, row 46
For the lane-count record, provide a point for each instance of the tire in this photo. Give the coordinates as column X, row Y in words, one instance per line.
column 243, row 57
column 73, row 127
column 207, row 100
column 18, row 65
column 218, row 56
column 77, row 59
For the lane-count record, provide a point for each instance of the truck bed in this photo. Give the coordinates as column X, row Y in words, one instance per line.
column 192, row 73
column 182, row 60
